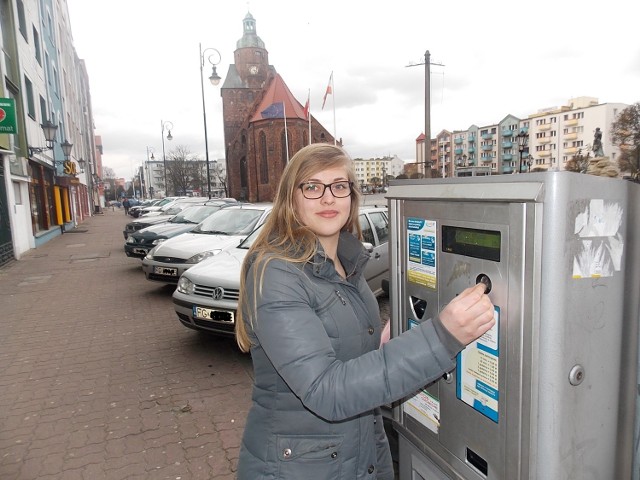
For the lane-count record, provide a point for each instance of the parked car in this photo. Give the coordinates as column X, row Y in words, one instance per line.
column 154, row 208
column 134, row 211
column 139, row 243
column 206, row 297
column 167, row 212
column 229, row 226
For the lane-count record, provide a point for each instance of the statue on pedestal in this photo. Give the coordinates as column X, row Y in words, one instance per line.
column 597, row 144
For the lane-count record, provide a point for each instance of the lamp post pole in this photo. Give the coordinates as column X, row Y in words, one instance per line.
column 166, row 124
column 149, row 185
column 523, row 140
column 214, row 79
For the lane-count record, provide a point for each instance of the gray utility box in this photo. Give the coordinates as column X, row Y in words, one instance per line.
column 549, row 393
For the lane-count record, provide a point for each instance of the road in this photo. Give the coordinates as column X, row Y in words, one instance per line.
column 99, row 380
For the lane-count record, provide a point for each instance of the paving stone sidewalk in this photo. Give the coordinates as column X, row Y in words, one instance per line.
column 99, row 380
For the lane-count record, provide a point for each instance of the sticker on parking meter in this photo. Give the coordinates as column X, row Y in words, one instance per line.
column 423, row 406
column 421, row 247
column 477, row 372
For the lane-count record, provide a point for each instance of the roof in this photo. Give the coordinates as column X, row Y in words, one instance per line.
column 278, row 92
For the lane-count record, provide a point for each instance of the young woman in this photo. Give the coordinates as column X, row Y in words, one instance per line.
column 313, row 328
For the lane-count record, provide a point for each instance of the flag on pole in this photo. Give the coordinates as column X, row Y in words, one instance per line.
column 307, row 105
column 275, row 110
column 329, row 90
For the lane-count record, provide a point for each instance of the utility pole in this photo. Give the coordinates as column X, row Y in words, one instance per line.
column 427, row 107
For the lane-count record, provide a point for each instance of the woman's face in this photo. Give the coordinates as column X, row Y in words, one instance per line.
column 325, row 216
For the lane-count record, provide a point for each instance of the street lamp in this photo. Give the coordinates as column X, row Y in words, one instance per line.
column 214, row 79
column 523, row 140
column 166, row 124
column 49, row 129
column 150, row 150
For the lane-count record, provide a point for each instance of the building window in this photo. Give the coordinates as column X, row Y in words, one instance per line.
column 43, row 109
column 31, row 106
column 36, row 45
column 264, row 165
column 22, row 23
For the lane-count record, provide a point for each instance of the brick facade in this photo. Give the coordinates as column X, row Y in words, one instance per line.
column 256, row 152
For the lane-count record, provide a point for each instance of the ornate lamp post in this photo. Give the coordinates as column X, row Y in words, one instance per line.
column 214, row 78
column 149, row 184
column 523, row 140
column 168, row 125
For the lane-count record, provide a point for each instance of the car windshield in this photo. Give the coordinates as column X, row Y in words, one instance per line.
column 195, row 214
column 230, row 221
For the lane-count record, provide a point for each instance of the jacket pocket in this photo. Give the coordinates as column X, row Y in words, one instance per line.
column 300, row 456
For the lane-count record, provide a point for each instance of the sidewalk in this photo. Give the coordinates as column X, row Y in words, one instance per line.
column 99, row 380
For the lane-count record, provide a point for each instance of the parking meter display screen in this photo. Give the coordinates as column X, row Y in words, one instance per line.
column 471, row 242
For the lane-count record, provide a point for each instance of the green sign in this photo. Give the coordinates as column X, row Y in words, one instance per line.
column 8, row 122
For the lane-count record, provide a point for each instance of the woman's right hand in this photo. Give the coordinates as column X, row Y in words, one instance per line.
column 469, row 315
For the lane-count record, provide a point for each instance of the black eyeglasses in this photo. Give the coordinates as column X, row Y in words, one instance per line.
column 313, row 190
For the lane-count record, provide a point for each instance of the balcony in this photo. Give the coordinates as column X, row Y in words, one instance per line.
column 458, row 141
column 543, row 140
column 571, row 136
column 571, row 150
column 544, row 127
column 507, row 170
column 458, row 151
column 487, row 159
column 471, row 139
column 472, row 150
column 507, row 132
column 507, row 157
column 571, row 122
column 487, row 148
column 507, row 144
column 487, row 136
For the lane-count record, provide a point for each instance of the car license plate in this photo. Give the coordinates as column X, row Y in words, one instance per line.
column 140, row 251
column 165, row 271
column 211, row 314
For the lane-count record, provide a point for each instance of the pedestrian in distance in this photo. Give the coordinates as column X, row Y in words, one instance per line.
column 126, row 204
column 313, row 328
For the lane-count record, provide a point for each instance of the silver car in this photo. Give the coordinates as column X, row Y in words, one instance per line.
column 227, row 227
column 207, row 295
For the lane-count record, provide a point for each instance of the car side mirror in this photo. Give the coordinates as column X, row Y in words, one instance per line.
column 368, row 247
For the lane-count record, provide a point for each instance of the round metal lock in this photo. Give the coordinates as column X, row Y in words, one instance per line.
column 286, row 453
column 576, row 375
column 447, row 377
column 334, row 455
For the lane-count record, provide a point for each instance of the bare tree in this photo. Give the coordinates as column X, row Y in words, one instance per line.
column 184, row 172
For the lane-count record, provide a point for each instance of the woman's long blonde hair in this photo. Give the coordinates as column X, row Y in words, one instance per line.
column 283, row 235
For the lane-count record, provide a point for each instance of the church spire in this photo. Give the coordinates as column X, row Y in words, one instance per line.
column 249, row 37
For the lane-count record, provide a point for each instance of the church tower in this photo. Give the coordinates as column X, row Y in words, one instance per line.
column 258, row 146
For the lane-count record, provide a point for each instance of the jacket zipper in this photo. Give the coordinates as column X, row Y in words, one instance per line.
column 344, row 302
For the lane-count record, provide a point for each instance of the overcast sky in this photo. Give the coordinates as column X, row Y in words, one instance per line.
column 499, row 58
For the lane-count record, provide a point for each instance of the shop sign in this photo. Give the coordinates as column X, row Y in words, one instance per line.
column 8, row 122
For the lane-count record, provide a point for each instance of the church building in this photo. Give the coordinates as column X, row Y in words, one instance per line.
column 257, row 109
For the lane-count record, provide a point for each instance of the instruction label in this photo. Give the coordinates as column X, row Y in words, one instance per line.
column 421, row 248
column 423, row 406
column 477, row 372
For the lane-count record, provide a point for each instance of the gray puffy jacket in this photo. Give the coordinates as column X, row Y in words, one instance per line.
column 320, row 376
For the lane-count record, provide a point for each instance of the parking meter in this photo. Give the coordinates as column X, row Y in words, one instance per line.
column 550, row 391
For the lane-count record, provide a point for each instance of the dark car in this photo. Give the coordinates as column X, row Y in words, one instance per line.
column 134, row 210
column 140, row 242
